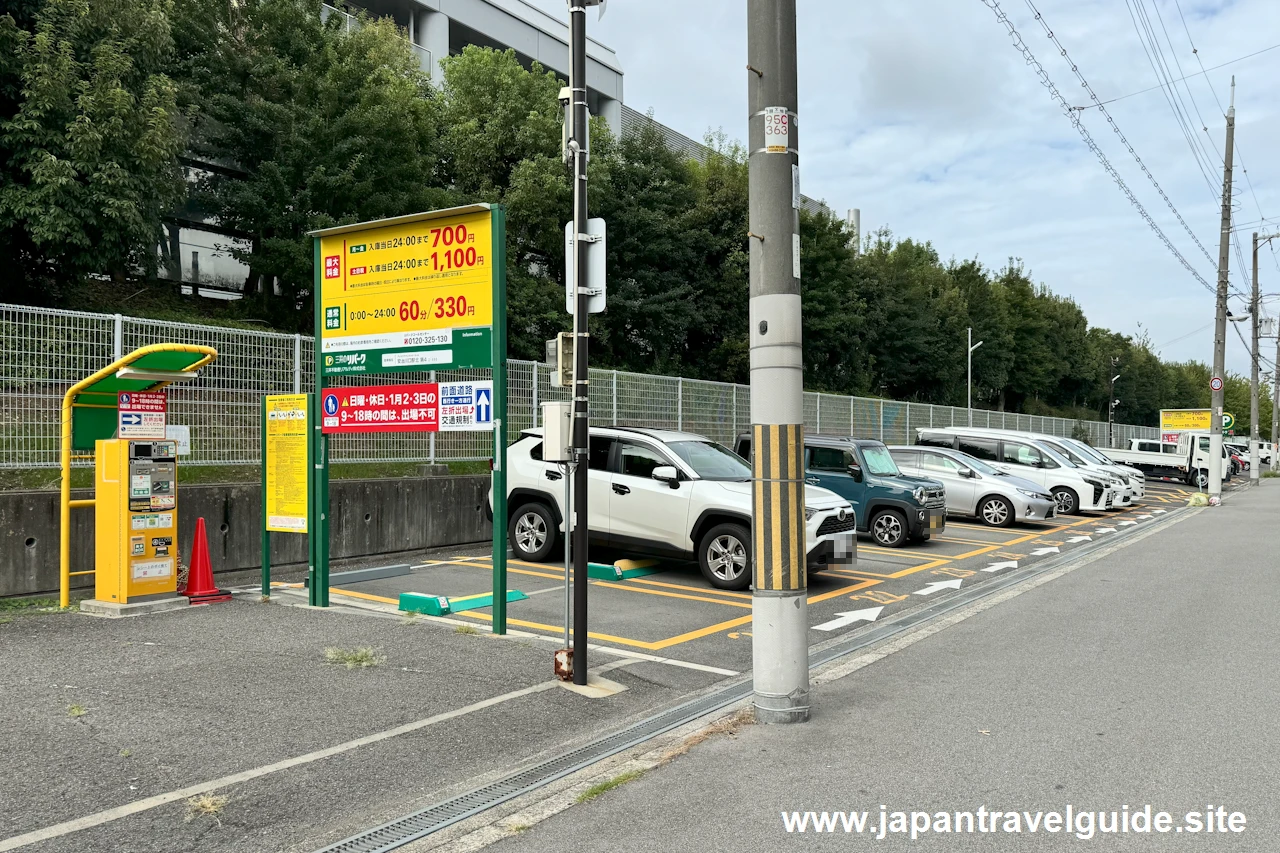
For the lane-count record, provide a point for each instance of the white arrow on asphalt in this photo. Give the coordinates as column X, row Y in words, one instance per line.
column 1007, row 564
column 1080, row 539
column 1159, row 511
column 843, row 619
column 931, row 588
column 1104, row 530
column 1040, row 552
column 1143, row 517
column 1127, row 523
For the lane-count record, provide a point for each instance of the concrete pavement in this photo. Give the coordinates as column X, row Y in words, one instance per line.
column 1144, row 677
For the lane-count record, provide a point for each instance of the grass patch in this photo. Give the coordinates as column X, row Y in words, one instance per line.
column 206, row 805
column 519, row 827
column 1267, row 475
column 75, row 712
column 125, row 753
column 729, row 725
column 608, row 785
column 20, row 604
column 357, row 658
column 465, row 629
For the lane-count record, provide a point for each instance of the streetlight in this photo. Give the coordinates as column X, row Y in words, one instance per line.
column 969, row 383
column 1111, row 406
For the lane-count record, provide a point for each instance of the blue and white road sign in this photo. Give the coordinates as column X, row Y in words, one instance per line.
column 130, row 419
column 466, row 405
column 331, row 404
column 484, row 405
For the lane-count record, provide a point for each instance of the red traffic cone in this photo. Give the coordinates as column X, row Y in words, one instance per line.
column 200, row 588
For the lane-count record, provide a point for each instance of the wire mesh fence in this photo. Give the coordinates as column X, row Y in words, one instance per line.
column 44, row 351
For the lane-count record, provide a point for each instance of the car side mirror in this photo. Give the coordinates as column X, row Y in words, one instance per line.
column 667, row 474
column 856, row 473
column 968, row 473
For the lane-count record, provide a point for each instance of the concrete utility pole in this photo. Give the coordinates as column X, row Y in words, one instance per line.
column 1220, row 322
column 1275, row 407
column 578, row 147
column 779, row 612
column 1254, row 436
column 1255, row 430
column 969, row 381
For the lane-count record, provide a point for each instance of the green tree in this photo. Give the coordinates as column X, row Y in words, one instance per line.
column 326, row 126
column 88, row 142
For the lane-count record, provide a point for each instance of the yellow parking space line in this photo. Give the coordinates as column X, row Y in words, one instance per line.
column 891, row 552
column 932, row 564
column 366, row 596
column 559, row 629
column 998, row 530
column 966, row 541
column 836, row 593
column 726, row 592
column 700, row 633
column 630, row 588
column 472, row 561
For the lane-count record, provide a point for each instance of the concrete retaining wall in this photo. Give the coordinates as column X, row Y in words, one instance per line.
column 369, row 517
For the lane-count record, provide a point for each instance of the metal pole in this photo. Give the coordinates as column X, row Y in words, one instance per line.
column 1254, row 430
column 1275, row 408
column 779, row 610
column 117, row 341
column 969, row 380
column 1220, row 321
column 578, row 145
column 499, row 358
column 680, row 404
column 431, row 436
column 266, row 534
column 297, row 364
column 615, row 398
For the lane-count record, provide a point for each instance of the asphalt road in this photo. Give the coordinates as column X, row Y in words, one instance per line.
column 241, row 693
column 1142, row 678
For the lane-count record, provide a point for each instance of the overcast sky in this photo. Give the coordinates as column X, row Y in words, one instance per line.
column 922, row 114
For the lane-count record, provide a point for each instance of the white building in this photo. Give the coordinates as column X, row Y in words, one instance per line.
column 436, row 29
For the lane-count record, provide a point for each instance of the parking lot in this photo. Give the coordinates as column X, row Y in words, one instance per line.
column 675, row 614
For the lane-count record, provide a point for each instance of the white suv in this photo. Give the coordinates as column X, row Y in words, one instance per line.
column 665, row 494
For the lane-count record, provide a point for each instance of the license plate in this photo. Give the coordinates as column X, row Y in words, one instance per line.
column 937, row 521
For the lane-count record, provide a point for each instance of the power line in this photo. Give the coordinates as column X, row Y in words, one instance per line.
column 1179, row 80
column 1115, row 127
column 1184, row 337
column 1074, row 117
column 1249, row 181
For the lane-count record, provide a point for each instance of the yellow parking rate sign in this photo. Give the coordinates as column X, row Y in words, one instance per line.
column 411, row 294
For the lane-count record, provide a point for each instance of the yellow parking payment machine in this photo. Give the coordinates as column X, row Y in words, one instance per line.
column 137, row 520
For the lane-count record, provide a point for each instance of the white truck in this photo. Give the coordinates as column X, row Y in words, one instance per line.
column 1186, row 460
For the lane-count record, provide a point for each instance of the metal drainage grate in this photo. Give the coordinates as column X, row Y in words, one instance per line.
column 434, row 818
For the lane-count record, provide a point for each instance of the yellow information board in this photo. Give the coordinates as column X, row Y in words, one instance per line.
column 1185, row 420
column 287, row 470
column 411, row 295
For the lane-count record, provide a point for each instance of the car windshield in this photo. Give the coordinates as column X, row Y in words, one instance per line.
column 880, row 462
column 710, row 461
column 1056, row 456
column 1089, row 453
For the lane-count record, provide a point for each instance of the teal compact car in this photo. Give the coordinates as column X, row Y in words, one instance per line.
column 894, row 508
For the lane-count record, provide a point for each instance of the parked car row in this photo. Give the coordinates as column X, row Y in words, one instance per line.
column 664, row 493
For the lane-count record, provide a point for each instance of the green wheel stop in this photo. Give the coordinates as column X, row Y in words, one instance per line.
column 441, row 605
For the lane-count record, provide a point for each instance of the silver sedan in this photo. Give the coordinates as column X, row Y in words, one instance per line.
column 975, row 488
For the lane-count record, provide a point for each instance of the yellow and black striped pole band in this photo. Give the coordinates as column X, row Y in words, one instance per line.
column 777, row 493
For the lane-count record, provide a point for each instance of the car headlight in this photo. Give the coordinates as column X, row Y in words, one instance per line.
column 1030, row 493
column 1096, row 483
column 809, row 513
column 919, row 495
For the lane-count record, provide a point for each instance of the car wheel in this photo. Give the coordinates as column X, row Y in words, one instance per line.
column 995, row 512
column 724, row 555
column 889, row 528
column 1067, row 501
column 1202, row 479
column 532, row 532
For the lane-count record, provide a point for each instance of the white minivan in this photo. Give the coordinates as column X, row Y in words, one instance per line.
column 1129, row 482
column 1074, row 489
